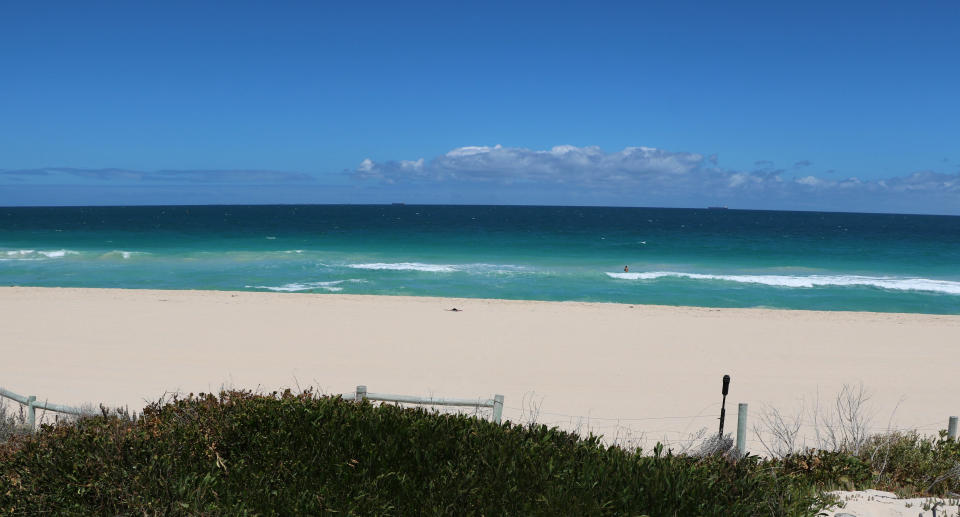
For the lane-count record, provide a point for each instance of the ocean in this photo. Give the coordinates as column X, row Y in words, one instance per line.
column 708, row 258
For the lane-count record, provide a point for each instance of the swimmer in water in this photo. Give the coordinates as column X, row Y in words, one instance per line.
column 626, row 269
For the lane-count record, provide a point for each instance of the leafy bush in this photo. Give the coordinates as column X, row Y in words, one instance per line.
column 286, row 454
column 913, row 464
column 828, row 469
column 906, row 463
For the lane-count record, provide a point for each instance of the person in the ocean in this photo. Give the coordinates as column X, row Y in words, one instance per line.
column 626, row 269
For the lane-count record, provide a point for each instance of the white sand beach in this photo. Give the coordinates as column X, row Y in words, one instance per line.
column 652, row 371
column 876, row 503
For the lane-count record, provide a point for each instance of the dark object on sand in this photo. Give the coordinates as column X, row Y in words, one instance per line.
column 723, row 405
column 454, row 310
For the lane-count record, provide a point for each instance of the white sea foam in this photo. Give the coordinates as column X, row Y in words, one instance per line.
column 331, row 286
column 58, row 253
column 37, row 254
column 20, row 255
column 441, row 268
column 408, row 266
column 901, row 284
column 294, row 287
column 125, row 254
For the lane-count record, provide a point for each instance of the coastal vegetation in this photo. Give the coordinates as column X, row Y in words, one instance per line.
column 241, row 453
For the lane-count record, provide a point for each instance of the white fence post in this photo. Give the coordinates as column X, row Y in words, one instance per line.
column 497, row 408
column 742, row 428
column 361, row 393
column 31, row 412
column 32, row 405
column 952, row 428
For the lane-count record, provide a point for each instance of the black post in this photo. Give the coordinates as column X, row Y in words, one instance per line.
column 723, row 405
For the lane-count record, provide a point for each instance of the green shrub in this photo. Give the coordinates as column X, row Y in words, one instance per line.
column 828, row 470
column 913, row 464
column 284, row 454
column 906, row 463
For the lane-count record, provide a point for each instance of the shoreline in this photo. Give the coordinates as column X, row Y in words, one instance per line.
column 615, row 369
column 650, row 306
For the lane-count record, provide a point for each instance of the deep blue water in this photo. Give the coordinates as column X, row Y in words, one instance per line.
column 715, row 258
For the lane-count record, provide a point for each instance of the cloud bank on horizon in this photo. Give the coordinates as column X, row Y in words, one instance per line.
column 54, row 174
column 561, row 175
column 656, row 175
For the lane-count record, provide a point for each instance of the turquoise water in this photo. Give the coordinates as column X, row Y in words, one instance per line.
column 714, row 258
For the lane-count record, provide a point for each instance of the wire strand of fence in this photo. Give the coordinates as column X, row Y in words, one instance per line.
column 924, row 427
column 631, row 431
column 930, row 426
column 618, row 419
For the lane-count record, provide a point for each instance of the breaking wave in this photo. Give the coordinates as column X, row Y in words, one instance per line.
column 900, row 284
column 408, row 266
column 37, row 254
column 440, row 268
column 332, row 286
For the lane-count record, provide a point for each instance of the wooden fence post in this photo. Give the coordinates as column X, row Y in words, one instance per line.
column 497, row 408
column 31, row 412
column 742, row 429
column 952, row 428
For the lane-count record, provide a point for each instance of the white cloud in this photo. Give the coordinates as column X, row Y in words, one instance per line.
column 739, row 178
column 471, row 150
column 810, row 180
column 560, row 164
column 366, row 165
column 926, row 181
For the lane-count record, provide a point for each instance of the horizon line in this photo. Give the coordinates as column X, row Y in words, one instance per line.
column 712, row 208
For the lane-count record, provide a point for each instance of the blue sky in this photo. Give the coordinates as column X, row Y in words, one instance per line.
column 834, row 106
